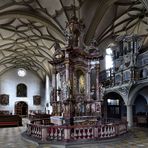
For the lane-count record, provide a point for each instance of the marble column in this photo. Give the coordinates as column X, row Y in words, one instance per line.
column 130, row 115
column 88, row 82
column 97, row 83
column 67, row 79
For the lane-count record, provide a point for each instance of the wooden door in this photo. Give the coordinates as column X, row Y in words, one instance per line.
column 21, row 108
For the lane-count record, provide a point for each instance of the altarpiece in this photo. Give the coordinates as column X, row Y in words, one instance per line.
column 73, row 94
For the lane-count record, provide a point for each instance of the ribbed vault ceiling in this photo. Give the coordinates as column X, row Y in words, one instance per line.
column 30, row 29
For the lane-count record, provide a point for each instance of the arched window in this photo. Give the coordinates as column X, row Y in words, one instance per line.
column 21, row 90
column 108, row 58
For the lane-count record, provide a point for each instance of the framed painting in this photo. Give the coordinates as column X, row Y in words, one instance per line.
column 36, row 100
column 4, row 99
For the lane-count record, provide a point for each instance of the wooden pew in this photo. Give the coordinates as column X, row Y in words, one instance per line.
column 10, row 120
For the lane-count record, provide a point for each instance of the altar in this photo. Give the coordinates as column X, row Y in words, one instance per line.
column 57, row 120
column 76, row 90
column 82, row 120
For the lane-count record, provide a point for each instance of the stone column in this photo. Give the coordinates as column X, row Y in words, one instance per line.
column 130, row 115
column 47, row 95
column 54, row 92
column 54, row 83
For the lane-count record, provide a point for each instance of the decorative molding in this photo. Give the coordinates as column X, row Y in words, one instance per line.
column 123, row 90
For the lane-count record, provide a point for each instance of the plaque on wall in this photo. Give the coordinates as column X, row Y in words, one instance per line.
column 37, row 100
column 4, row 99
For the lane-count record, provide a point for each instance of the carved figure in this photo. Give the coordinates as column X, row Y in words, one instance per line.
column 72, row 32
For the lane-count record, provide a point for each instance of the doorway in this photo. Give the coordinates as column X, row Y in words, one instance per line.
column 114, row 106
column 21, row 108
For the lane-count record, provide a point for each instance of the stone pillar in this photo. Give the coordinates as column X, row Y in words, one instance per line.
column 44, row 134
column 54, row 83
column 130, row 115
column 47, row 95
column 54, row 92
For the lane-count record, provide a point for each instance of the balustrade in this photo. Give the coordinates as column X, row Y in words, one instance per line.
column 76, row 133
column 34, row 131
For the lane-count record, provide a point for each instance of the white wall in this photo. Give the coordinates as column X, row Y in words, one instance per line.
column 8, row 85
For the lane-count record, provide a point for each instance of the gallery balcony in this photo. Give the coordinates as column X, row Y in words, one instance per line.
column 116, row 78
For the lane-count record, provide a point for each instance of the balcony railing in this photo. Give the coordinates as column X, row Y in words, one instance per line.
column 112, row 78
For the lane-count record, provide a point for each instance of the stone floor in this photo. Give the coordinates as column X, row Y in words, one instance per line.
column 136, row 138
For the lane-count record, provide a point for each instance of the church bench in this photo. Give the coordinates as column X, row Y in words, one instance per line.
column 142, row 120
column 10, row 120
column 11, row 123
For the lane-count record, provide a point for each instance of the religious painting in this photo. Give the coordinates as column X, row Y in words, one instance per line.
column 21, row 90
column 80, row 81
column 4, row 99
column 37, row 100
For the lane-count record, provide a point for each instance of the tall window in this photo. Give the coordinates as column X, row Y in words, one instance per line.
column 21, row 90
column 108, row 58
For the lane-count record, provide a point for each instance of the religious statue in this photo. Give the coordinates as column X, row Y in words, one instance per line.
column 52, row 95
column 72, row 32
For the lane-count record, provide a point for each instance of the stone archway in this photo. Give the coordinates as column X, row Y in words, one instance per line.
column 21, row 108
column 115, row 105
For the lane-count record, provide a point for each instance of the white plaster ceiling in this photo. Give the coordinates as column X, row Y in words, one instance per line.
column 29, row 29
